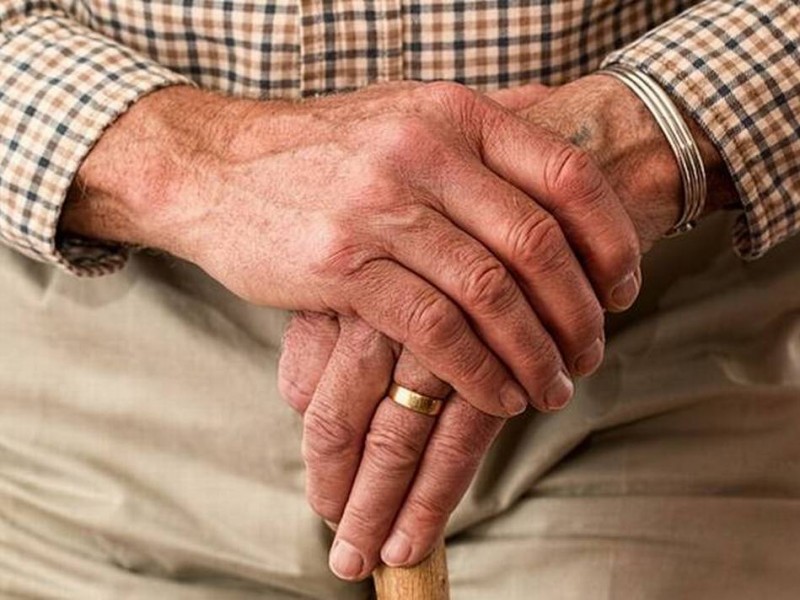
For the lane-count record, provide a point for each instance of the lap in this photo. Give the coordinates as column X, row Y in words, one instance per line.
column 145, row 452
column 143, row 445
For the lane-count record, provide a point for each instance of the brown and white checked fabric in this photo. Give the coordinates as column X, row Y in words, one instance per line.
column 68, row 68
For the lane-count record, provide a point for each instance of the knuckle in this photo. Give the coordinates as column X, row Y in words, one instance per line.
column 458, row 102
column 572, row 174
column 571, row 170
column 448, row 92
column 303, row 325
column 392, row 451
column 410, row 373
column 538, row 242
column 375, row 186
column 461, row 453
column 340, row 252
column 477, row 369
column 594, row 193
column 401, row 139
column 307, row 335
column 327, row 435
column 362, row 344
column 373, row 180
column 412, row 218
column 434, row 322
column 489, row 286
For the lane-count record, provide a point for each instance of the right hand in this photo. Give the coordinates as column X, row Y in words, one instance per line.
column 423, row 209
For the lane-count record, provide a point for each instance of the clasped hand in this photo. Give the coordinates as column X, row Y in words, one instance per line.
column 541, row 245
column 430, row 235
column 419, row 224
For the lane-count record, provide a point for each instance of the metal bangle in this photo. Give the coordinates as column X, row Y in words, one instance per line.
column 679, row 137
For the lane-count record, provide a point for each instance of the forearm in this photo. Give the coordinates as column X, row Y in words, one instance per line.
column 128, row 186
column 63, row 84
column 124, row 172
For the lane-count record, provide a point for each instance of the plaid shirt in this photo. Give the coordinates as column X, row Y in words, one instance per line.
column 69, row 67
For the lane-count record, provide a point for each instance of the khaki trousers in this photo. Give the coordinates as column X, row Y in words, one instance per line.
column 145, row 453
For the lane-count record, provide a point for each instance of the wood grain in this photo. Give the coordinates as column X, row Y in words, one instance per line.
column 426, row 581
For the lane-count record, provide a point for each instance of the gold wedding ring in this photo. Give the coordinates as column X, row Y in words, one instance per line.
column 420, row 403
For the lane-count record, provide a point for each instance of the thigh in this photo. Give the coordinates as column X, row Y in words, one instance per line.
column 144, row 452
column 675, row 473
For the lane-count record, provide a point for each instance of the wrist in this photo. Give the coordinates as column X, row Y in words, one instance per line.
column 605, row 118
column 136, row 182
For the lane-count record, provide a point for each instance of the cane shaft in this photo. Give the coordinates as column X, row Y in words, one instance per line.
column 426, row 581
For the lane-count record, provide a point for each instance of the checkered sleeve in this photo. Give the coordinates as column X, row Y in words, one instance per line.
column 734, row 65
column 61, row 85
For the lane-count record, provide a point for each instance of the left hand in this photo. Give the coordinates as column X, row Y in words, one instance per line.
column 410, row 471
column 335, row 373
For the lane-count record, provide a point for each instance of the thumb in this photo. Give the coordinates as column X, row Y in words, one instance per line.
column 520, row 97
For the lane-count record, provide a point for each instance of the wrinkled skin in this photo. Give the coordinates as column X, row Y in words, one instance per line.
column 376, row 468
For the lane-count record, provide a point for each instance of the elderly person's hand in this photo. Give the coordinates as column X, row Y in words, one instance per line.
column 375, row 467
column 428, row 211
column 347, row 366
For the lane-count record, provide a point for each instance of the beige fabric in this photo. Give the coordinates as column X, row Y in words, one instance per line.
column 144, row 452
column 69, row 68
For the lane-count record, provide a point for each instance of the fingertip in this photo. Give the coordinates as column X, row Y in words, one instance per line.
column 513, row 399
column 397, row 550
column 421, row 549
column 625, row 293
column 346, row 561
column 559, row 392
column 293, row 394
column 590, row 359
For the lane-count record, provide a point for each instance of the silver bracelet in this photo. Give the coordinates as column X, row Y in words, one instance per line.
column 669, row 119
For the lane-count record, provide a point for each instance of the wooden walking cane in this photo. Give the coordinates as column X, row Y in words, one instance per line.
column 426, row 581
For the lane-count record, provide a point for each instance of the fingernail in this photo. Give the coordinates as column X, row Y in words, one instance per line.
column 625, row 293
column 513, row 399
column 588, row 361
column 396, row 551
column 345, row 561
column 559, row 392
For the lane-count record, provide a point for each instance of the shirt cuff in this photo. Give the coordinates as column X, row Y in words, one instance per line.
column 61, row 85
column 732, row 66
